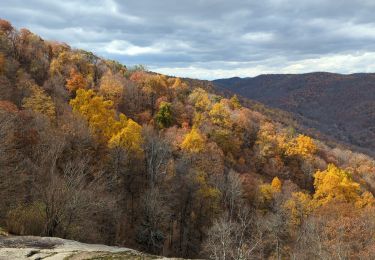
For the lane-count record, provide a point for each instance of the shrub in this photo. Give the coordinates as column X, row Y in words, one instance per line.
column 26, row 220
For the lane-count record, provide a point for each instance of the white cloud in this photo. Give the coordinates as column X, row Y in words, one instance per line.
column 206, row 73
column 210, row 38
column 366, row 31
column 258, row 36
column 126, row 48
column 344, row 63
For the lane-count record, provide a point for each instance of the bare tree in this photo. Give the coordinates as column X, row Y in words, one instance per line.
column 70, row 197
column 157, row 156
column 151, row 233
column 230, row 186
column 310, row 241
column 219, row 242
column 231, row 239
column 6, row 130
column 9, row 181
column 63, row 185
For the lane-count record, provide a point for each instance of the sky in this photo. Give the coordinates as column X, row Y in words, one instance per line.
column 210, row 39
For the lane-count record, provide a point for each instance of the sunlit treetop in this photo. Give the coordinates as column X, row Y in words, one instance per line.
column 335, row 184
column 235, row 102
column 299, row 206
column 194, row 141
column 200, row 99
column 219, row 115
column 276, row 184
column 302, row 145
column 129, row 137
column 98, row 112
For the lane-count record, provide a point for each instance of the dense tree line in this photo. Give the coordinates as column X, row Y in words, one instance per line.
column 94, row 151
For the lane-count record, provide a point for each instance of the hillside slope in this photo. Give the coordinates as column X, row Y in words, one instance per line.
column 341, row 106
column 101, row 153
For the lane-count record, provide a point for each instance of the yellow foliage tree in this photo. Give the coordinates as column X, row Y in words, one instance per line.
column 229, row 143
column 75, row 81
column 68, row 60
column 335, row 184
column 111, row 87
column 301, row 145
column 200, row 99
column 219, row 115
column 156, row 84
column 129, row 137
column 270, row 142
column 235, row 102
column 268, row 191
column 193, row 142
column 178, row 88
column 276, row 184
column 40, row 102
column 198, row 119
column 367, row 199
column 299, row 206
column 57, row 64
column 208, row 194
column 177, row 83
column 98, row 112
column 101, row 117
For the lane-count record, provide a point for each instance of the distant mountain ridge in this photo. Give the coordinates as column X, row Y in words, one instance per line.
column 340, row 106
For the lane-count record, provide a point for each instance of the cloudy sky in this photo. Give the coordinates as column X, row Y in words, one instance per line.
column 210, row 39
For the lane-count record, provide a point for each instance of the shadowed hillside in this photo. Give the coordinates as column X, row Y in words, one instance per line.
column 342, row 106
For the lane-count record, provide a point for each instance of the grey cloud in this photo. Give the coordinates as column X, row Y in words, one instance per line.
column 238, row 36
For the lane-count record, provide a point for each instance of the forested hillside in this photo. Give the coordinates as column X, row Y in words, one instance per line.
column 340, row 106
column 98, row 152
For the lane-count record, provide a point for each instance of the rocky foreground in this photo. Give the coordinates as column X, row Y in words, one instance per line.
column 50, row 248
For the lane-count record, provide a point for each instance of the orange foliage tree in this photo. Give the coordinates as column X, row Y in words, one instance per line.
column 75, row 81
column 5, row 26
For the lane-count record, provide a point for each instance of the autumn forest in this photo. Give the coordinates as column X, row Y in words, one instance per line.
column 95, row 151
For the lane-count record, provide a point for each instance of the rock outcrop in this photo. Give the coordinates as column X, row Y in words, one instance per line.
column 51, row 248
